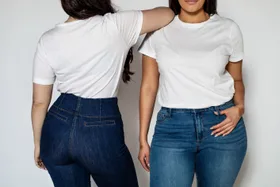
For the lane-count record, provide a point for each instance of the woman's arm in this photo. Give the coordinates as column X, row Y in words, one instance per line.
column 235, row 113
column 41, row 99
column 149, row 87
column 235, row 70
column 156, row 18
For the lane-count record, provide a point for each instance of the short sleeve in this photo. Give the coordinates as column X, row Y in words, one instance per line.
column 236, row 39
column 42, row 71
column 147, row 47
column 129, row 24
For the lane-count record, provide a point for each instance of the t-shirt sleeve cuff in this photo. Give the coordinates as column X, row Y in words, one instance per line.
column 236, row 58
column 147, row 53
column 43, row 81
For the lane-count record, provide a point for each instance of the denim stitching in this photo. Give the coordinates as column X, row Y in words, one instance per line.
column 59, row 116
column 85, row 115
column 112, row 123
column 63, row 110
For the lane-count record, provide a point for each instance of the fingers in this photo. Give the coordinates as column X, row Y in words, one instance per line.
column 39, row 163
column 147, row 161
column 225, row 131
column 221, row 129
column 224, row 128
column 223, row 123
column 223, row 112
column 144, row 160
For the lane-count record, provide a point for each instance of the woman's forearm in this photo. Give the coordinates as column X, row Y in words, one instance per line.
column 42, row 95
column 39, row 112
column 239, row 94
column 147, row 102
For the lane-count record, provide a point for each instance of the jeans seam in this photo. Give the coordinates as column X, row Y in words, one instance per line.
column 73, row 127
column 85, row 115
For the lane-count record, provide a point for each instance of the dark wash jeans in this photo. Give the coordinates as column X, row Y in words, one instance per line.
column 183, row 145
column 83, row 137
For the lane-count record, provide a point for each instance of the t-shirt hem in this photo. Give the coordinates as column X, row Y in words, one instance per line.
column 187, row 106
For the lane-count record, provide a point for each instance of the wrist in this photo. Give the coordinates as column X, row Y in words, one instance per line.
column 143, row 142
column 240, row 108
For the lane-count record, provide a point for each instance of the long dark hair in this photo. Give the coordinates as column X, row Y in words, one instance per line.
column 210, row 6
column 83, row 9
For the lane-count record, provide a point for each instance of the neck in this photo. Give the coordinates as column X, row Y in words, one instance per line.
column 70, row 19
column 196, row 17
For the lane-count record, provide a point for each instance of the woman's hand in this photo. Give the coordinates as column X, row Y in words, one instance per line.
column 144, row 156
column 39, row 163
column 233, row 115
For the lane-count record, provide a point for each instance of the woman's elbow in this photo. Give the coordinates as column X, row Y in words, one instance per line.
column 40, row 104
column 149, row 89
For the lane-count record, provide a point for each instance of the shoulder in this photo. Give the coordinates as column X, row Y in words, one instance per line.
column 160, row 34
column 45, row 38
column 226, row 22
column 122, row 16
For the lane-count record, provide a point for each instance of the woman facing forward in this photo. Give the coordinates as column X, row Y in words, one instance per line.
column 195, row 62
column 82, row 133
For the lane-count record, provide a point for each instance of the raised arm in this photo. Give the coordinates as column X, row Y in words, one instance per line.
column 156, row 18
column 149, row 88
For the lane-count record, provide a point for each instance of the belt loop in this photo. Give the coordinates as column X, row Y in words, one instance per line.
column 217, row 109
column 100, row 109
column 78, row 106
column 170, row 112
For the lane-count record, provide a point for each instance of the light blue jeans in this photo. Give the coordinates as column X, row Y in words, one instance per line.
column 182, row 146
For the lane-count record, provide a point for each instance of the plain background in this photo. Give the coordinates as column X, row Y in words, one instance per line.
column 23, row 22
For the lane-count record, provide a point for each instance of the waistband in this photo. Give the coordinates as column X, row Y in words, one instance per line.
column 212, row 108
column 88, row 107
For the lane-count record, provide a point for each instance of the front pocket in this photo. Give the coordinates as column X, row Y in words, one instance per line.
column 162, row 116
column 100, row 123
column 57, row 116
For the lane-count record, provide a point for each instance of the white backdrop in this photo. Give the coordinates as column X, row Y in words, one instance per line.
column 22, row 23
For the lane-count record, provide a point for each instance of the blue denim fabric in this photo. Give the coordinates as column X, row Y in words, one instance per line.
column 182, row 146
column 83, row 137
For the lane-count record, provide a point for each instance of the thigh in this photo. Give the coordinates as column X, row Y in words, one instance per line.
column 171, row 167
column 173, row 150
column 118, row 172
column 101, row 148
column 220, row 158
column 70, row 175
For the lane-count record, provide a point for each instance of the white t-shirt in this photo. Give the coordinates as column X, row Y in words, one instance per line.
column 86, row 57
column 192, row 59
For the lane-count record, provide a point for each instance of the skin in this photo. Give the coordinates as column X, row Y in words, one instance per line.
column 152, row 20
column 41, row 100
column 190, row 13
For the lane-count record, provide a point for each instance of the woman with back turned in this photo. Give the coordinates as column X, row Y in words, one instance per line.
column 82, row 133
column 196, row 64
